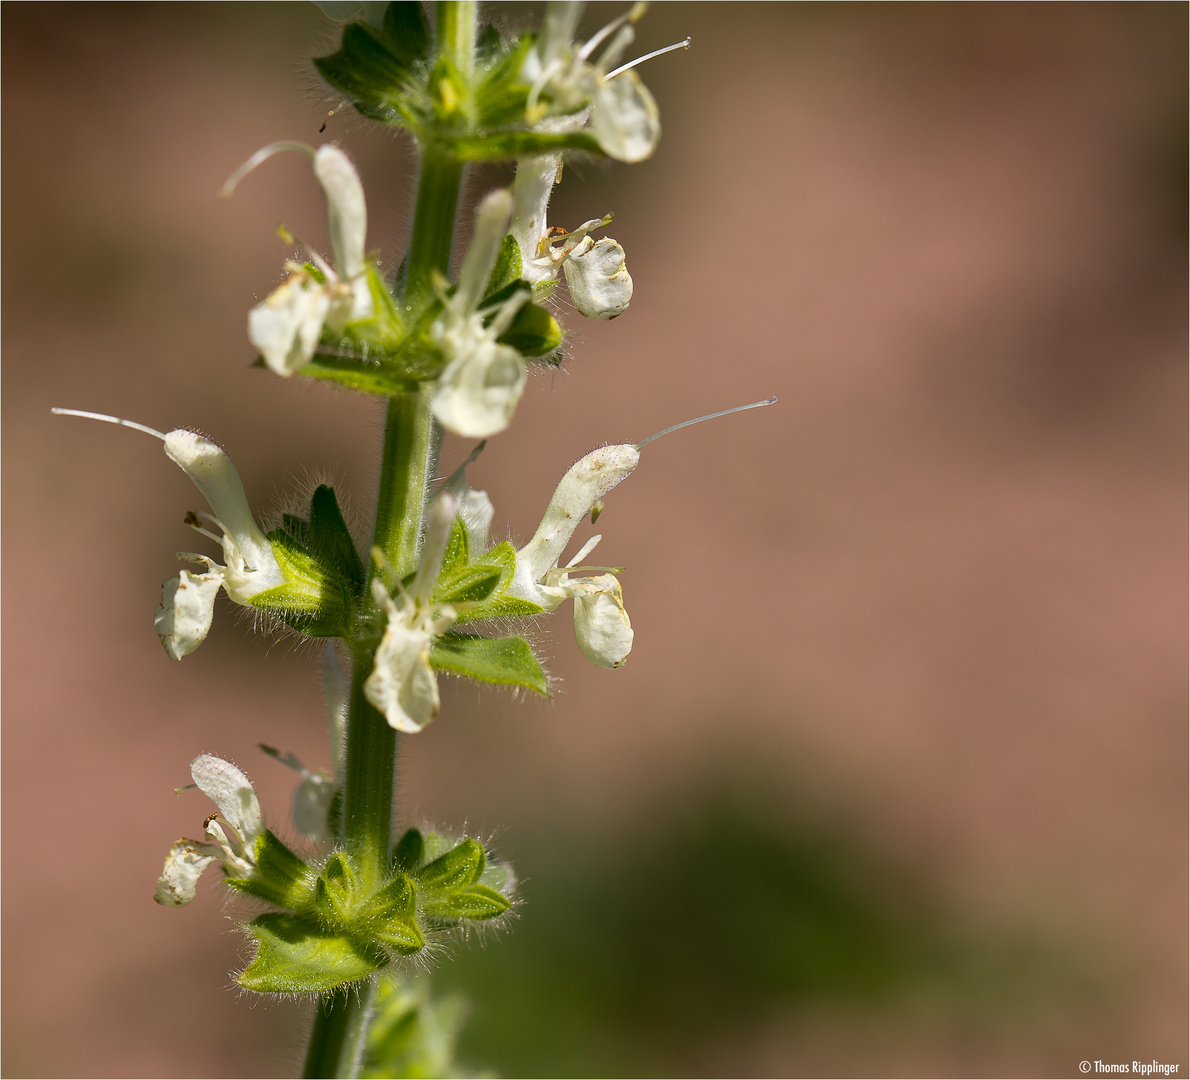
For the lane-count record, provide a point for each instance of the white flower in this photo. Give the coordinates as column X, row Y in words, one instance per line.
column 187, row 604
column 482, row 382
column 232, row 793
column 287, row 325
column 601, row 624
column 595, row 271
column 622, row 114
column 402, row 684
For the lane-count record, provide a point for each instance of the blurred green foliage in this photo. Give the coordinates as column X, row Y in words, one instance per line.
column 704, row 926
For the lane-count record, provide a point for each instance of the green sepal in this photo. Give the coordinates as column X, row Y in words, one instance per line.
column 506, row 661
column 323, row 570
column 335, row 891
column 474, row 903
column 510, row 144
column 470, row 584
column 281, row 877
column 499, row 605
column 454, row 869
column 533, row 332
column 390, row 916
column 509, row 266
column 296, row 955
column 500, row 99
column 458, row 549
column 409, row 852
column 330, row 540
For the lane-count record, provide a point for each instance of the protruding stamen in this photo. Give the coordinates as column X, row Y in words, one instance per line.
column 110, row 420
column 633, row 14
column 648, row 56
column 709, row 416
column 262, row 155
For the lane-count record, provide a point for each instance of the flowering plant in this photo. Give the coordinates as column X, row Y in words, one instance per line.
column 434, row 594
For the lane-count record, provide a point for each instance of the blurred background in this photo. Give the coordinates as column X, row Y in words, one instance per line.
column 894, row 782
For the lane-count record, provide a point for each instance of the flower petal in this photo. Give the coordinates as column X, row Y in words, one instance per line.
column 232, row 792
column 597, row 277
column 478, row 391
column 287, row 324
column 586, row 482
column 251, row 565
column 183, row 616
column 601, row 625
column 346, row 210
column 311, row 806
column 402, row 684
column 624, row 118
column 184, row 865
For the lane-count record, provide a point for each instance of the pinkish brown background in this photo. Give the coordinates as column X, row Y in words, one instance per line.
column 938, row 590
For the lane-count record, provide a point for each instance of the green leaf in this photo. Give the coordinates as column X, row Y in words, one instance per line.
column 534, row 331
column 508, row 267
column 456, row 869
column 364, row 68
column 510, row 144
column 296, row 956
column 475, row 903
column 504, row 661
column 407, row 31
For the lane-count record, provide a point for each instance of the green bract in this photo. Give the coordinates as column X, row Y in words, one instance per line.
column 389, row 75
column 336, row 929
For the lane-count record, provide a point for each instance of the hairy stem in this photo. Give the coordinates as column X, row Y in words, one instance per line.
column 409, row 456
column 339, row 1036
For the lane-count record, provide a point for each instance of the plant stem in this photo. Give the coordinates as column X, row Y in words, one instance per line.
column 433, row 224
column 456, row 32
column 339, row 1035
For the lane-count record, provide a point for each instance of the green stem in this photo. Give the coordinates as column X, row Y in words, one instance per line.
column 339, row 1036
column 433, row 224
column 456, row 32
